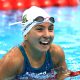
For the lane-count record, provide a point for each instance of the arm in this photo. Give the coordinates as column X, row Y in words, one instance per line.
column 60, row 64
column 9, row 65
column 62, row 72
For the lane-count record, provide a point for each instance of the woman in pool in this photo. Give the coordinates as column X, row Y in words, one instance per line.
column 36, row 58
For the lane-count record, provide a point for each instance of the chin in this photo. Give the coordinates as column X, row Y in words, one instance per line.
column 44, row 50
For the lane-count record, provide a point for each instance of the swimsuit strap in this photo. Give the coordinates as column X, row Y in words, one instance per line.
column 49, row 59
column 25, row 58
column 23, row 52
column 48, row 64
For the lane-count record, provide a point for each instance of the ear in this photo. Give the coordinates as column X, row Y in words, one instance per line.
column 25, row 37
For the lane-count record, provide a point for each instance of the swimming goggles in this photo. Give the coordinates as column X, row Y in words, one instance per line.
column 40, row 19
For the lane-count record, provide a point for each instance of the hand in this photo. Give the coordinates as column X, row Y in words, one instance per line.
column 62, row 76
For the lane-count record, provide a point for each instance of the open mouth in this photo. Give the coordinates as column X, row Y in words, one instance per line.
column 44, row 42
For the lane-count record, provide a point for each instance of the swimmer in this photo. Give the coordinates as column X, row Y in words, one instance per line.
column 36, row 58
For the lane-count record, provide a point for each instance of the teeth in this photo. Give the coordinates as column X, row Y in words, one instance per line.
column 45, row 42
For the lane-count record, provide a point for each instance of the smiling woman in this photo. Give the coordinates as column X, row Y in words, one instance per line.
column 36, row 58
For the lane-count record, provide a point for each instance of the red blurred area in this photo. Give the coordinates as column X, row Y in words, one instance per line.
column 23, row 4
column 46, row 3
column 72, row 2
column 17, row 4
column 5, row 5
column 61, row 3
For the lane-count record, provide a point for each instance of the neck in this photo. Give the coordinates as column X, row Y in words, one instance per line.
column 35, row 54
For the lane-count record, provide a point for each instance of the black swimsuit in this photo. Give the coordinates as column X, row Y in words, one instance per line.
column 43, row 73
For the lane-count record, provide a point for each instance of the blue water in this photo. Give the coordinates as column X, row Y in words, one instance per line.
column 67, row 33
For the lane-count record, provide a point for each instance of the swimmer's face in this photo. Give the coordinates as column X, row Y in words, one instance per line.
column 41, row 36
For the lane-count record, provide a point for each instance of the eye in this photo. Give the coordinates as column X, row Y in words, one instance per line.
column 51, row 28
column 39, row 28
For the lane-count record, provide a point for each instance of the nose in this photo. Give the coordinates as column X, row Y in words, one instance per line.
column 46, row 33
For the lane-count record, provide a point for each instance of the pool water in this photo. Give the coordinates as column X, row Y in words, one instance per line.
column 66, row 28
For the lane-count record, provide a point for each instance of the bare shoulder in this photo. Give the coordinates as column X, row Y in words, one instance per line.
column 57, row 54
column 12, row 56
column 56, row 50
column 11, row 62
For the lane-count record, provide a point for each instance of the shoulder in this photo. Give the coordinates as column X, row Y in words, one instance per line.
column 11, row 61
column 14, row 54
column 57, row 53
column 56, row 49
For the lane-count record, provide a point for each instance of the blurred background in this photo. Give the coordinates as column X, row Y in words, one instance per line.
column 67, row 26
